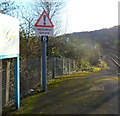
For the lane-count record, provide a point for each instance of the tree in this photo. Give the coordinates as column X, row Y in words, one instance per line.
column 27, row 22
column 8, row 7
column 52, row 8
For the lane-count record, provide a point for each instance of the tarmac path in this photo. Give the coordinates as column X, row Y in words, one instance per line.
column 92, row 93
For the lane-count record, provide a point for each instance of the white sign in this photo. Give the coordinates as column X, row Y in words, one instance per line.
column 9, row 36
column 44, row 25
column 44, row 31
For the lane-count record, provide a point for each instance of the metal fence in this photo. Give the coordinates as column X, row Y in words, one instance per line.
column 30, row 75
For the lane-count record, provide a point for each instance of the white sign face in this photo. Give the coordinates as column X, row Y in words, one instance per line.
column 44, row 25
column 44, row 31
column 9, row 36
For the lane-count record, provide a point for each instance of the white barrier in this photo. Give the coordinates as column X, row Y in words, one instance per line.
column 9, row 36
column 9, row 48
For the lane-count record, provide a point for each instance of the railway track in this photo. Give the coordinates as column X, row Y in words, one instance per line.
column 116, row 62
column 113, row 56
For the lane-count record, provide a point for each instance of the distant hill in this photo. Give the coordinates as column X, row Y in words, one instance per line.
column 108, row 36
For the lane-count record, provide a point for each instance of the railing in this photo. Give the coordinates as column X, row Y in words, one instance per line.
column 30, row 75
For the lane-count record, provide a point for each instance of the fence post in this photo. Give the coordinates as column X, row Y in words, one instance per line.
column 63, row 66
column 74, row 66
column 54, row 68
column 69, row 67
column 7, row 82
column 0, row 86
column 53, row 71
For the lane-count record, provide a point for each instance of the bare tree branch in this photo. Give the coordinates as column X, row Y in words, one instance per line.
column 7, row 7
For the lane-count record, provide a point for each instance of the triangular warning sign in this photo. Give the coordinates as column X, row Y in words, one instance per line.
column 44, row 21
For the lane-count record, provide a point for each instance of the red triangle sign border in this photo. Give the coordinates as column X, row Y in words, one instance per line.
column 36, row 24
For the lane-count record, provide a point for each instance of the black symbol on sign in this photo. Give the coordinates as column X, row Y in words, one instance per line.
column 44, row 19
column 45, row 39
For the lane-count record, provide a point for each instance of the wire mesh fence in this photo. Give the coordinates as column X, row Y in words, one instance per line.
column 30, row 75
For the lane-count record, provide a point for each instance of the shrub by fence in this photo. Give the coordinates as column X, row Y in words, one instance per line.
column 30, row 75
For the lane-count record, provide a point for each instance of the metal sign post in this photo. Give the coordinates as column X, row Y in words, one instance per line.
column 17, row 82
column 44, row 62
column 44, row 28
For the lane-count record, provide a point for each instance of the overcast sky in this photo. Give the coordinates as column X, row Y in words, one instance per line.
column 89, row 15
